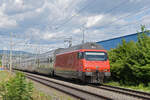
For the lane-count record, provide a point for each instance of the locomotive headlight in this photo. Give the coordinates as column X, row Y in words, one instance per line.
column 88, row 69
column 105, row 70
column 86, row 65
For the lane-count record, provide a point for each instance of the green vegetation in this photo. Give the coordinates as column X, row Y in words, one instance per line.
column 130, row 62
column 140, row 87
column 37, row 95
column 16, row 88
column 4, row 76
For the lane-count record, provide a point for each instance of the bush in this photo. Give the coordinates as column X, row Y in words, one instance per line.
column 17, row 88
column 130, row 62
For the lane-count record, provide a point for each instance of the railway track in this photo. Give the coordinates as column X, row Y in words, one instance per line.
column 70, row 90
column 90, row 92
column 129, row 92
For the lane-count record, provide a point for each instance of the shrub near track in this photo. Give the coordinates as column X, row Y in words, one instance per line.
column 130, row 61
column 16, row 88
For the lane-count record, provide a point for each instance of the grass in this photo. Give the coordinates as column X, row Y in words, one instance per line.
column 139, row 87
column 37, row 95
column 4, row 76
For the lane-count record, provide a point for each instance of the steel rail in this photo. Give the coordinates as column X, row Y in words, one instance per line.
column 59, row 85
column 129, row 92
column 55, row 88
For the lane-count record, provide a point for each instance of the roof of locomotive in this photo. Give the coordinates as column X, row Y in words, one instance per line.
column 88, row 45
column 47, row 54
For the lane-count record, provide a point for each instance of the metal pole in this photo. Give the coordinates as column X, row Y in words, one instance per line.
column 3, row 59
column 10, row 57
column 20, row 59
column 83, row 36
column 70, row 41
column 82, row 30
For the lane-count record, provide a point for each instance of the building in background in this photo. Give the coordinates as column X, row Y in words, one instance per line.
column 113, row 43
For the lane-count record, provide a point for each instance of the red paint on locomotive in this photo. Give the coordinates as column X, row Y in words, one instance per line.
column 69, row 64
column 69, row 61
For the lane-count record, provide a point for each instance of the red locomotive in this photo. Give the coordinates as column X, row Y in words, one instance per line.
column 87, row 62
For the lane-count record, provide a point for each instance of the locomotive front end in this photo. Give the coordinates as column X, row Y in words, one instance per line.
column 95, row 66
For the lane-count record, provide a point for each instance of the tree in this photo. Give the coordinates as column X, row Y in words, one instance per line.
column 130, row 62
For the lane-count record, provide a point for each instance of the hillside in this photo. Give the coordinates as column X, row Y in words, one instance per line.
column 15, row 52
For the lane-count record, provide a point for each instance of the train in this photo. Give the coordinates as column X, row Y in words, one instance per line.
column 86, row 62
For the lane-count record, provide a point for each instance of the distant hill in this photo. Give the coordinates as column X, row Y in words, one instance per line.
column 15, row 52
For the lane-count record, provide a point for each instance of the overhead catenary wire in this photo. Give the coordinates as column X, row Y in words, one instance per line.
column 67, row 21
column 136, row 22
column 85, row 7
column 132, row 23
column 130, row 16
column 122, row 17
column 108, row 11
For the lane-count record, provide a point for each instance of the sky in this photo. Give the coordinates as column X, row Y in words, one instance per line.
column 41, row 25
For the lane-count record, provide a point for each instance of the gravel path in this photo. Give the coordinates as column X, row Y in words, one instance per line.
column 56, row 95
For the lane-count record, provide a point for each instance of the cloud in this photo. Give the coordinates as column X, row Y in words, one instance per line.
column 21, row 6
column 6, row 21
column 76, row 31
column 135, row 0
column 49, row 22
column 93, row 20
column 19, row 2
column 146, row 19
column 47, row 36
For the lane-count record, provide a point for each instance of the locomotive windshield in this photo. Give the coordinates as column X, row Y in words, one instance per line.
column 95, row 56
